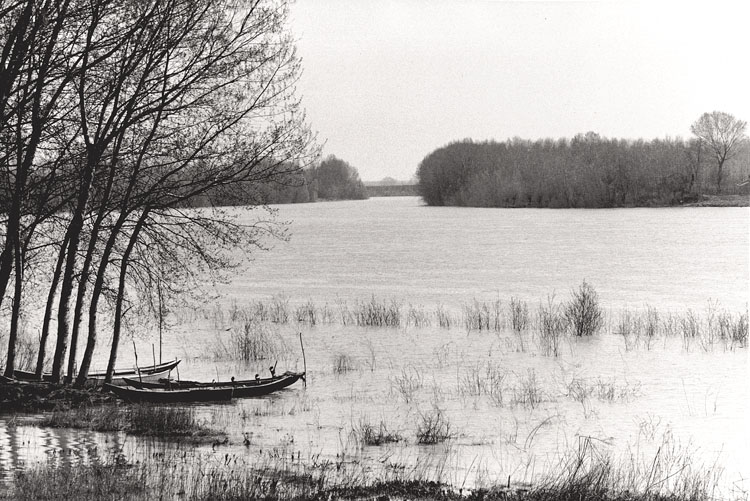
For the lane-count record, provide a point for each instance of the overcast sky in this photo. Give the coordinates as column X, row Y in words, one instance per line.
column 387, row 82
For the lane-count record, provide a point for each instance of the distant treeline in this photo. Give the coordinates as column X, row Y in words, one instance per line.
column 586, row 171
column 392, row 190
column 332, row 179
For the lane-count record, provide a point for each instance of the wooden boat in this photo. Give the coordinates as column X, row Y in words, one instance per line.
column 170, row 396
column 242, row 388
column 95, row 378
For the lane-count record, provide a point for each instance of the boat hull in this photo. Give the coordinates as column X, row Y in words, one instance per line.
column 241, row 389
column 150, row 373
column 135, row 395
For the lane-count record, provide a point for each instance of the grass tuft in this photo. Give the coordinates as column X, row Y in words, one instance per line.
column 433, row 428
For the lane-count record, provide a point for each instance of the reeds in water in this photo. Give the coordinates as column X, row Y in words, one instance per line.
column 374, row 313
column 343, row 363
column 252, row 341
column 552, row 325
column 375, row 434
column 433, row 428
column 483, row 316
column 142, row 419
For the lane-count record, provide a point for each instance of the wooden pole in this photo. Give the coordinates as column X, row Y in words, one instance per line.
column 304, row 362
column 137, row 369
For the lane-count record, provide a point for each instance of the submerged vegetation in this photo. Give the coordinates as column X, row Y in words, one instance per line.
column 580, row 315
column 168, row 422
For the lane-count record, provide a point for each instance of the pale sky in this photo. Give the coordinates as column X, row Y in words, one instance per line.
column 386, row 82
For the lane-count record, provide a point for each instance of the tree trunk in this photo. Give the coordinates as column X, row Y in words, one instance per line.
column 80, row 298
column 15, row 314
column 719, row 175
column 48, row 309
column 74, row 234
column 94, row 303
column 121, row 296
column 6, row 264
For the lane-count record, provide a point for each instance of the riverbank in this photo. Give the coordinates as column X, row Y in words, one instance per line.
column 37, row 397
column 721, row 201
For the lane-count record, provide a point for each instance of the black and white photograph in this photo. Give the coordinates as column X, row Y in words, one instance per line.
column 453, row 250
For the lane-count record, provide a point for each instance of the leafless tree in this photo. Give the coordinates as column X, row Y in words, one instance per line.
column 721, row 133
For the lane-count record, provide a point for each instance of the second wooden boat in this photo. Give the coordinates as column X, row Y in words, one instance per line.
column 242, row 388
column 147, row 373
column 136, row 395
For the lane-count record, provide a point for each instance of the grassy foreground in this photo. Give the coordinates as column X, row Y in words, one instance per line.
column 151, row 480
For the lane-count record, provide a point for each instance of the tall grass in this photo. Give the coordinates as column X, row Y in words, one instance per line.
column 519, row 314
column 582, row 315
column 552, row 325
column 374, row 313
column 250, row 341
column 407, row 383
column 484, row 379
column 142, row 419
column 483, row 316
column 587, row 473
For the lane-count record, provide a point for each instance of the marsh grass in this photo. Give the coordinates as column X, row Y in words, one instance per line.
column 343, row 363
column 587, row 473
column 250, row 341
column 417, row 316
column 142, row 419
column 581, row 315
column 376, row 313
column 375, row 434
column 96, row 418
column 591, row 473
column 483, row 316
column 433, row 428
column 607, row 390
column 484, row 380
column 629, row 327
column 527, row 391
column 552, row 326
column 407, row 383
column 519, row 314
column 444, row 317
column 307, row 314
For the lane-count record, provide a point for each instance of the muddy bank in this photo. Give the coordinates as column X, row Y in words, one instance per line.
column 33, row 397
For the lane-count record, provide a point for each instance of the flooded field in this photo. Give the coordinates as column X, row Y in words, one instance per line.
column 454, row 387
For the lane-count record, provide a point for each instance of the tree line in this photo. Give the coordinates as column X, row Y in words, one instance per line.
column 330, row 179
column 589, row 170
column 115, row 116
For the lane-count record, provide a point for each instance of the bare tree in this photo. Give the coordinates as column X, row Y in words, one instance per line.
column 721, row 133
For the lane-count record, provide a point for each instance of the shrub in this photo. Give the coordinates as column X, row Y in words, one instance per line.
column 583, row 311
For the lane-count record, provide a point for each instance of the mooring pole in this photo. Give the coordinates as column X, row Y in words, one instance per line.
column 304, row 362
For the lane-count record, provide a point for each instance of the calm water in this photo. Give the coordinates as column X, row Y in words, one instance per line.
column 691, row 396
column 395, row 247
